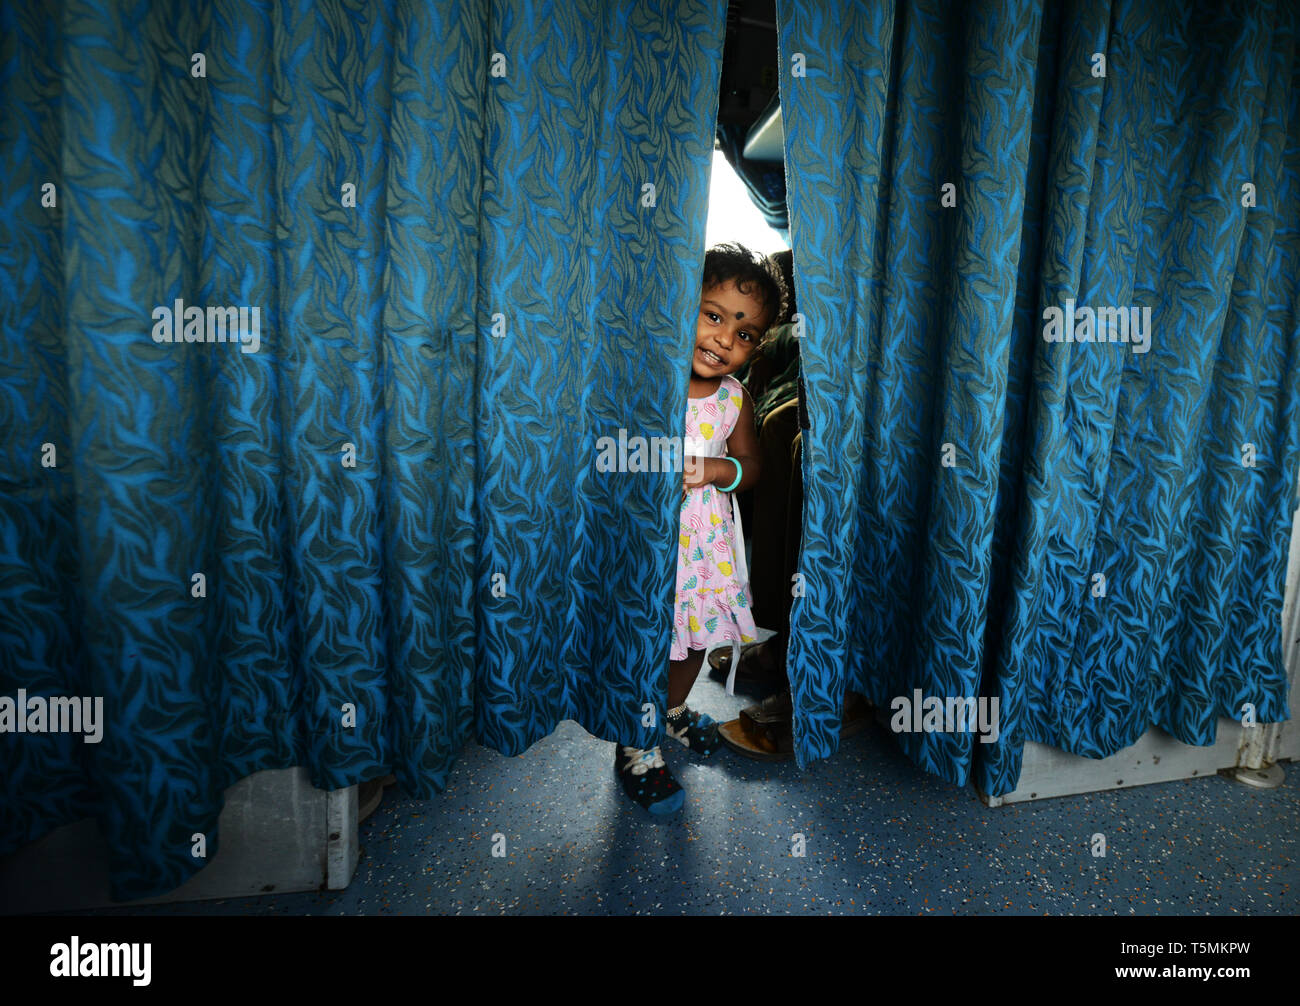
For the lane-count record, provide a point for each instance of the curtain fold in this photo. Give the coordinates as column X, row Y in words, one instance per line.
column 1092, row 533
column 382, row 533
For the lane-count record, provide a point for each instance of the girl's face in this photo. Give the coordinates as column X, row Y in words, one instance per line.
column 727, row 331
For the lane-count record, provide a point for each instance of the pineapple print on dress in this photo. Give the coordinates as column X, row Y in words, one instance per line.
column 713, row 602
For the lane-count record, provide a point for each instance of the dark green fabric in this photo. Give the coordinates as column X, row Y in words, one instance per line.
column 780, row 361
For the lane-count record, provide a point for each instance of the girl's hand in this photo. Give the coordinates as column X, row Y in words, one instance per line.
column 697, row 472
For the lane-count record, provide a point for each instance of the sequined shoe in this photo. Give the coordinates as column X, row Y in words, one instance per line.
column 698, row 731
column 646, row 779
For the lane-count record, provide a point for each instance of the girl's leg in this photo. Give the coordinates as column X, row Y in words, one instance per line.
column 643, row 772
column 681, row 677
column 696, row 730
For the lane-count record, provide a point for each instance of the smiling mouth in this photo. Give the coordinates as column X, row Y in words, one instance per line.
column 713, row 358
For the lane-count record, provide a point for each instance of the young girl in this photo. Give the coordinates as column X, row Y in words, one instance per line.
column 742, row 295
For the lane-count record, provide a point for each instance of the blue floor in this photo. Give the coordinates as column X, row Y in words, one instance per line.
column 880, row 835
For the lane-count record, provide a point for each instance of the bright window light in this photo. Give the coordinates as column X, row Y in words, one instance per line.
column 733, row 215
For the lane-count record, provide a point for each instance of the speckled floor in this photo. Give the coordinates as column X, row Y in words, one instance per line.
column 880, row 836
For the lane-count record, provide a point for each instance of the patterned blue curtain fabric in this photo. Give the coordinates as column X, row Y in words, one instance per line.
column 466, row 239
column 1092, row 532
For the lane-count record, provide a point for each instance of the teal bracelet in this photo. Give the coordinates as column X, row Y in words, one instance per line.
column 739, row 475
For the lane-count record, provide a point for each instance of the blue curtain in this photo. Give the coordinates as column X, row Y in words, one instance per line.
column 473, row 234
column 968, row 481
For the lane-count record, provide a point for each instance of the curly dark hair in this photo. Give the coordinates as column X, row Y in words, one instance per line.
column 750, row 272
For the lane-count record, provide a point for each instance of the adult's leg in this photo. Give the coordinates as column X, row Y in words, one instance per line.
column 767, row 583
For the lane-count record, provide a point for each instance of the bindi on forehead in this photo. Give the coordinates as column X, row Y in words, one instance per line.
column 722, row 310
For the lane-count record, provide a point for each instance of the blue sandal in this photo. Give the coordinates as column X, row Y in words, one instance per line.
column 698, row 731
column 646, row 779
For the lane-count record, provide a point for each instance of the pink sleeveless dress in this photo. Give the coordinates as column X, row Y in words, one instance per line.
column 714, row 605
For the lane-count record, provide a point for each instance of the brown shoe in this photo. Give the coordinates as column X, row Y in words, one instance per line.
column 765, row 731
column 758, row 661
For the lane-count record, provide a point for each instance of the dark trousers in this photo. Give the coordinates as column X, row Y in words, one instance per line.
column 776, row 522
